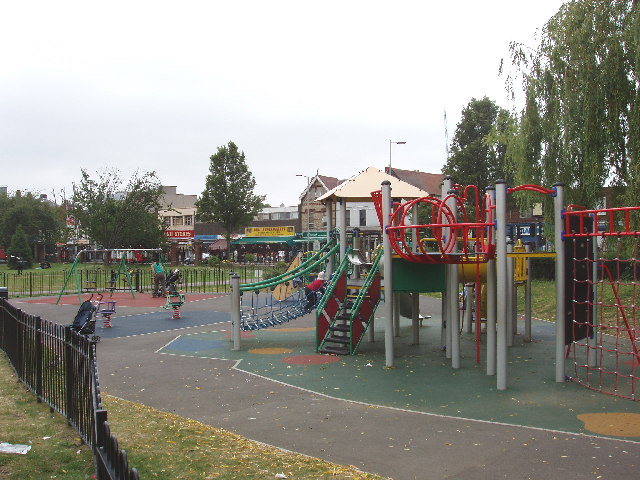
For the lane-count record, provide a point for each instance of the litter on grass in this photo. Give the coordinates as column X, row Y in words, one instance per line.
column 10, row 448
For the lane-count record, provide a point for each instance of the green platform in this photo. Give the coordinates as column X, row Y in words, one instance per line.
column 422, row 378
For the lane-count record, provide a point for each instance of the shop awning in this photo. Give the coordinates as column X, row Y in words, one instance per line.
column 220, row 244
column 263, row 240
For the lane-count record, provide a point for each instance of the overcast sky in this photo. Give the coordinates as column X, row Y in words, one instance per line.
column 301, row 87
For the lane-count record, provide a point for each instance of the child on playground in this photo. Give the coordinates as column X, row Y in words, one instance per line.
column 311, row 289
column 158, row 278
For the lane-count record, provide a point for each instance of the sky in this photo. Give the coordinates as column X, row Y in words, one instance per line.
column 300, row 87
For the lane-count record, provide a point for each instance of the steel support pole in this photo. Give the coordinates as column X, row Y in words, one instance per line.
column 415, row 296
column 415, row 317
column 388, row 274
column 235, row 310
column 527, row 297
column 468, row 307
column 343, row 228
column 511, row 301
column 330, row 267
column 491, row 296
column 396, row 314
column 592, row 342
column 501, row 282
column 491, row 317
column 452, row 287
column 558, row 205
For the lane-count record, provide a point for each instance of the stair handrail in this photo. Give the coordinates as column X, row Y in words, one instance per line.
column 331, row 286
column 368, row 281
column 301, row 269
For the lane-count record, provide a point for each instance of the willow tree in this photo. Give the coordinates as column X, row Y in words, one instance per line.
column 581, row 123
column 228, row 197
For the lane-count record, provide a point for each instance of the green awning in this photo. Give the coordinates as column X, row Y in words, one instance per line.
column 262, row 240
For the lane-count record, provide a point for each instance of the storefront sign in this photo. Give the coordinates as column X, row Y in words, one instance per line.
column 269, row 231
column 179, row 233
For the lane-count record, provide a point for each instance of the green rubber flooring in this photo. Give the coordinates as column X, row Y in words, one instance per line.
column 422, row 378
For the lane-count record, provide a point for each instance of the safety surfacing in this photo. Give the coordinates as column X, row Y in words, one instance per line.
column 423, row 380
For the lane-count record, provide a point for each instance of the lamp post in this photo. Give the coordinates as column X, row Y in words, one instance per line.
column 308, row 207
column 391, row 142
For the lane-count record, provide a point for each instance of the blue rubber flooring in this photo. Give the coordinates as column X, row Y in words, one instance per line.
column 126, row 326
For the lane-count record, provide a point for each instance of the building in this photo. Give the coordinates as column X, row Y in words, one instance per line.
column 312, row 212
column 429, row 182
column 178, row 214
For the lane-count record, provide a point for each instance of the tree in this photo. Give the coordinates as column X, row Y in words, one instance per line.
column 476, row 158
column 42, row 222
column 228, row 197
column 19, row 249
column 581, row 120
column 115, row 215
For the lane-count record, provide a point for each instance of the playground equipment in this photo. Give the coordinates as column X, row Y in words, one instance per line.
column 265, row 312
column 92, row 284
column 105, row 310
column 459, row 234
column 602, row 332
column 175, row 297
column 347, row 307
column 464, row 241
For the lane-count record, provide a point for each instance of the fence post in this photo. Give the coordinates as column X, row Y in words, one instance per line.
column 39, row 360
column 69, row 374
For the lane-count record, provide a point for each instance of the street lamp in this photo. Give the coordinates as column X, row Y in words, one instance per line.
column 390, row 143
column 308, row 205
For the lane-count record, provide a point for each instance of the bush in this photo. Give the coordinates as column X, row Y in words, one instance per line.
column 278, row 269
column 250, row 257
column 19, row 250
column 543, row 269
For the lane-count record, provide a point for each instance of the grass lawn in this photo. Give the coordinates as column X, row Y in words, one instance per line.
column 159, row 445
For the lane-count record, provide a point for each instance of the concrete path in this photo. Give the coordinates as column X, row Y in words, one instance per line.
column 400, row 444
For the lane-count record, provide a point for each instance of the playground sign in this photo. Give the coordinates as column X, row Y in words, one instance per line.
column 269, row 231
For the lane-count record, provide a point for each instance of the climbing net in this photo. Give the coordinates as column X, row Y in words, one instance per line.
column 259, row 309
column 603, row 286
column 459, row 228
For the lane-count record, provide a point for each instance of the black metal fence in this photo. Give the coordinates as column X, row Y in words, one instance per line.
column 194, row 280
column 60, row 367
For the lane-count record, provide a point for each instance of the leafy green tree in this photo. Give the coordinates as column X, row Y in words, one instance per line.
column 19, row 248
column 43, row 223
column 228, row 197
column 581, row 121
column 118, row 215
column 475, row 157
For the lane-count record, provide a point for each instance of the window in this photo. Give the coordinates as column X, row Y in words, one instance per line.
column 348, row 218
column 526, row 213
column 188, row 219
column 363, row 218
column 537, row 209
column 178, row 221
